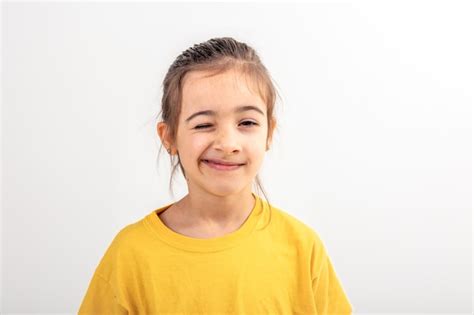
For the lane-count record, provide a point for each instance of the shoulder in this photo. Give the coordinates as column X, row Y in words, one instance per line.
column 304, row 237
column 293, row 227
column 130, row 233
column 122, row 247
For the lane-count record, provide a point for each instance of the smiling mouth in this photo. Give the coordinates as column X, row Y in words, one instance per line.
column 222, row 167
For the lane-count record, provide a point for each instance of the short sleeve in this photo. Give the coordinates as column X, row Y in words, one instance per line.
column 100, row 299
column 329, row 295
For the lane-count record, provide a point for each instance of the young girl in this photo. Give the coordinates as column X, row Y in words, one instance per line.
column 221, row 249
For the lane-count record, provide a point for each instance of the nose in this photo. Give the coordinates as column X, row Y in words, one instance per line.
column 227, row 141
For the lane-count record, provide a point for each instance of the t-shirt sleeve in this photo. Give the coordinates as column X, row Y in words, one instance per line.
column 329, row 295
column 100, row 299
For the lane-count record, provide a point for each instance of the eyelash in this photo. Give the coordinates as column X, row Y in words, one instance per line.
column 208, row 125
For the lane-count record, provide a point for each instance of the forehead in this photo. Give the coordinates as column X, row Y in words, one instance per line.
column 222, row 92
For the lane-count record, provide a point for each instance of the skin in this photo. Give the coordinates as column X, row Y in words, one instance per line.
column 217, row 202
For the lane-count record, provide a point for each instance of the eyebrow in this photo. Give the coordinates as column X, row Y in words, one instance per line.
column 236, row 110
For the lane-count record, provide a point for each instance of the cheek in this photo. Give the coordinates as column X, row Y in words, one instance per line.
column 194, row 146
column 198, row 143
column 258, row 156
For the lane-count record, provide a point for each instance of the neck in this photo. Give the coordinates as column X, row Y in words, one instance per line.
column 210, row 210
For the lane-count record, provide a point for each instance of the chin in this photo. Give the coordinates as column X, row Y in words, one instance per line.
column 224, row 190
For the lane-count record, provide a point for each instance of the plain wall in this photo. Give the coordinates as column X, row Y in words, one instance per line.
column 373, row 148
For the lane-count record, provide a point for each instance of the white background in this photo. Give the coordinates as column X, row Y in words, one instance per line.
column 373, row 148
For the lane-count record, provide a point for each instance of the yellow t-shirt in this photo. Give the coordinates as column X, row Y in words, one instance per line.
column 272, row 264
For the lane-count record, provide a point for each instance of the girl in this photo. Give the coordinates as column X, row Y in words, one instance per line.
column 221, row 249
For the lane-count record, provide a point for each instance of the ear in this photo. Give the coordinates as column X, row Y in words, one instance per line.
column 163, row 133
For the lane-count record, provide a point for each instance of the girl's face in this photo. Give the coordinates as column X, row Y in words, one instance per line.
column 222, row 118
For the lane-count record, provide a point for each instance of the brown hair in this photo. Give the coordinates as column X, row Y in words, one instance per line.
column 216, row 55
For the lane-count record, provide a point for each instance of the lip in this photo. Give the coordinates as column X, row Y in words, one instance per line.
column 221, row 167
